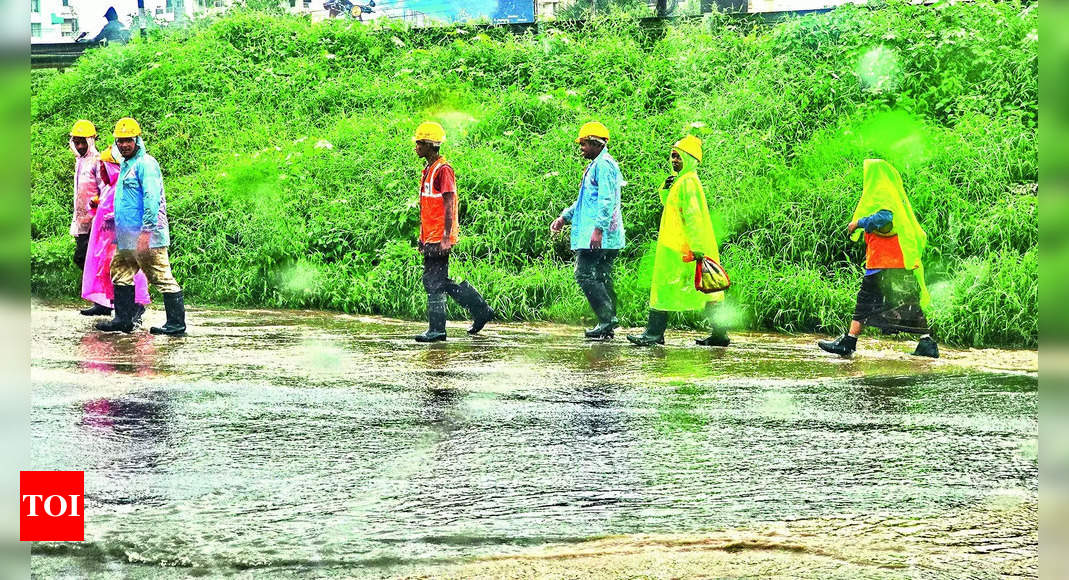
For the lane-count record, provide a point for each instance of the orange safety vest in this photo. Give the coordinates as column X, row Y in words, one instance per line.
column 883, row 251
column 432, row 207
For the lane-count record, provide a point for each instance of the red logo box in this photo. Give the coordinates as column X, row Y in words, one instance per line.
column 52, row 506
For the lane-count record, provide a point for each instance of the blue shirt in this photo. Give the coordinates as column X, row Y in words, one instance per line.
column 598, row 205
column 873, row 223
column 140, row 205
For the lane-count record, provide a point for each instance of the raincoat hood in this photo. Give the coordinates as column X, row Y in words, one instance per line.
column 111, row 14
column 108, row 155
column 90, row 152
column 690, row 163
column 883, row 190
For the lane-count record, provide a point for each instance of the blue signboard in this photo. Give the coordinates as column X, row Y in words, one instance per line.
column 462, row 10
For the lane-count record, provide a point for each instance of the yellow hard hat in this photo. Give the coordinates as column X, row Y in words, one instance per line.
column 430, row 131
column 127, row 127
column 83, row 128
column 690, row 145
column 107, row 156
column 593, row 129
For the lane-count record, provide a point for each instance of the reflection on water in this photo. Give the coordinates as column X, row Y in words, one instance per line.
column 118, row 352
column 130, row 439
column 347, row 447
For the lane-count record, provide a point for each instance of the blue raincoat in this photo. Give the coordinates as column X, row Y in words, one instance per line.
column 140, row 205
column 598, row 205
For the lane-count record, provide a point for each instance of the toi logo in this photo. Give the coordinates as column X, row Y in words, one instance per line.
column 51, row 506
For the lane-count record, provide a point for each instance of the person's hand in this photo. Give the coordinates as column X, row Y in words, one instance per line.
column 142, row 242
column 556, row 226
column 595, row 239
column 446, row 244
column 850, row 228
column 668, row 182
column 420, row 248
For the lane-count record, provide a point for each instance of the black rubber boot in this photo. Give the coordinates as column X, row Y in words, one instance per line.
column 139, row 311
column 927, row 347
column 601, row 304
column 96, row 310
column 176, row 315
column 436, row 319
column 654, row 333
column 610, row 291
column 468, row 297
column 842, row 346
column 718, row 336
column 124, row 310
column 602, row 331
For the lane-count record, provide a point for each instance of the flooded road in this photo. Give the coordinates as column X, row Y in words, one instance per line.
column 276, row 444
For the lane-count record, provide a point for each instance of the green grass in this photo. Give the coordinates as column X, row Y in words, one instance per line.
column 233, row 109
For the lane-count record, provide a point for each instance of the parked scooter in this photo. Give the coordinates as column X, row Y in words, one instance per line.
column 349, row 8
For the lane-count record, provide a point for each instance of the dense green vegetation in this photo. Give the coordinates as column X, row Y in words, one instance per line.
column 240, row 111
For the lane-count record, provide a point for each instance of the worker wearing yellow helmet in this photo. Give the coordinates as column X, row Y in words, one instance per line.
column 597, row 227
column 439, row 228
column 893, row 295
column 686, row 235
column 87, row 185
column 142, row 234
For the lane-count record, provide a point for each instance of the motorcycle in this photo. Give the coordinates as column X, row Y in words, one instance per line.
column 349, row 8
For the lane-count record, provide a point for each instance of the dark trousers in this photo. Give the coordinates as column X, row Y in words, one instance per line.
column 593, row 273
column 438, row 284
column 890, row 300
column 436, row 278
column 81, row 248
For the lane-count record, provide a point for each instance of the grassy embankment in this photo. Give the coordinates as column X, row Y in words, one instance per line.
column 261, row 215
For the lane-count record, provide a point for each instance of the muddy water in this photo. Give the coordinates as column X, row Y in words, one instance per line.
column 273, row 444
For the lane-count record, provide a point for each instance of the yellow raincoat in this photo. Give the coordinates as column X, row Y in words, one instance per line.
column 685, row 227
column 883, row 190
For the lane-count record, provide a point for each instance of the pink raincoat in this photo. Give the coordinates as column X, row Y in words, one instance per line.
column 96, row 278
column 86, row 185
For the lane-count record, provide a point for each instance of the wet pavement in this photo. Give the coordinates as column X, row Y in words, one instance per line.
column 280, row 443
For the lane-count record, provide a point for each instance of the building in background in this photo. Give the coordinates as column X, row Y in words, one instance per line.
column 55, row 20
column 313, row 7
column 546, row 9
column 64, row 20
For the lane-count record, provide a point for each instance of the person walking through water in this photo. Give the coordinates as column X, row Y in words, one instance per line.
column 142, row 235
column 437, row 234
column 96, row 278
column 597, row 228
column 686, row 234
column 87, row 185
column 893, row 294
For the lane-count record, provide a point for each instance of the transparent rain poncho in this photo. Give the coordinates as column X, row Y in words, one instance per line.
column 883, row 190
column 85, row 185
column 686, row 227
column 96, row 278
